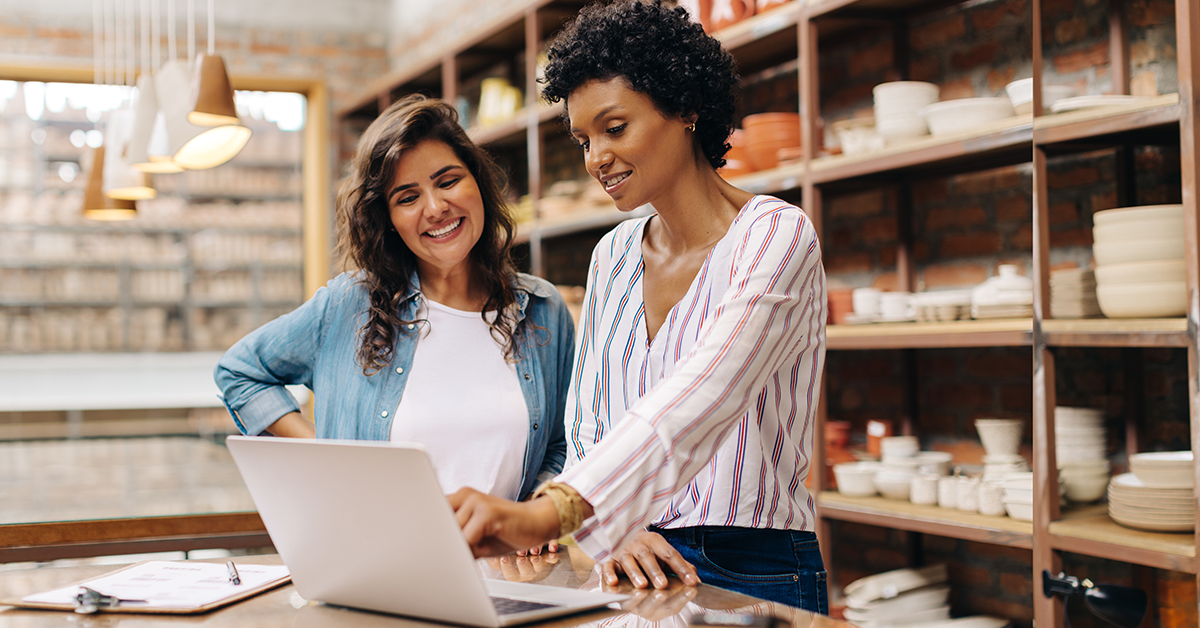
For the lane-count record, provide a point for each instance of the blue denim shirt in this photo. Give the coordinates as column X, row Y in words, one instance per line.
column 316, row 345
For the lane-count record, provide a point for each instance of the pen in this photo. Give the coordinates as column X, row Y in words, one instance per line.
column 233, row 574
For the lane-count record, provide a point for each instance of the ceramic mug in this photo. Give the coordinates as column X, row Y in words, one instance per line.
column 948, row 491
column 866, row 301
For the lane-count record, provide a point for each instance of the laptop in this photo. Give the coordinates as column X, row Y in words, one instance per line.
column 365, row 524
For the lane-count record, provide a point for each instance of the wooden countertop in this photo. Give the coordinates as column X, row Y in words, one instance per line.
column 283, row 607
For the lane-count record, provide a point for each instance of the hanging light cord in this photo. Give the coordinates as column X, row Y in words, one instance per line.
column 156, row 37
column 97, row 42
column 191, row 9
column 172, row 51
column 212, row 28
column 144, row 13
column 130, row 38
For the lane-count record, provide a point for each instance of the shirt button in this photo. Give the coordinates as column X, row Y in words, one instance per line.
column 527, row 376
column 535, row 426
column 412, row 326
column 399, row 369
column 383, row 414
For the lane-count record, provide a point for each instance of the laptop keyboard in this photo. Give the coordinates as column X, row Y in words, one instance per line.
column 509, row 606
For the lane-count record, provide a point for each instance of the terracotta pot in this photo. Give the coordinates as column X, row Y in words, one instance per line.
column 837, row 434
column 841, row 305
column 700, row 11
column 737, row 146
column 876, row 432
column 767, row 133
column 725, row 13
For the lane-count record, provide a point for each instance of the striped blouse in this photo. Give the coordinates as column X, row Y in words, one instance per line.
column 710, row 423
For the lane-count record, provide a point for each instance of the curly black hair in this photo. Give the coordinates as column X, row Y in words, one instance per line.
column 661, row 53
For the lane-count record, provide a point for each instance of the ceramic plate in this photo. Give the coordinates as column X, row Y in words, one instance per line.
column 1087, row 102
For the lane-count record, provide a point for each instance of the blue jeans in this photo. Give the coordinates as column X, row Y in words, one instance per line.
column 783, row 566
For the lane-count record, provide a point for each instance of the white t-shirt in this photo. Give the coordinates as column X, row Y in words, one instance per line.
column 463, row 402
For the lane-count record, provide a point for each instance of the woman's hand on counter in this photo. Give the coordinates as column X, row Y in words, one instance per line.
column 293, row 425
column 551, row 547
column 524, row 568
column 495, row 526
column 641, row 559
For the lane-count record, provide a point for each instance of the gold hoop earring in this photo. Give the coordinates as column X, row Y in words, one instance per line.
column 692, row 128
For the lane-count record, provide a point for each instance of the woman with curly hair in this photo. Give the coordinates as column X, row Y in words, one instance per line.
column 701, row 346
column 434, row 338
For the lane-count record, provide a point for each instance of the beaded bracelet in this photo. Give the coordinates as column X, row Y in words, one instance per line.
column 567, row 501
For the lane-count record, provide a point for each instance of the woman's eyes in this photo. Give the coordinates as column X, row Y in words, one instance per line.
column 445, row 185
column 613, row 130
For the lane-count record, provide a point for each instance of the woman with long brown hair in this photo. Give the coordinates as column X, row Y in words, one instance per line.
column 433, row 336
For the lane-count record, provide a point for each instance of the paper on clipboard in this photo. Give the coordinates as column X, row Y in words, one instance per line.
column 178, row 586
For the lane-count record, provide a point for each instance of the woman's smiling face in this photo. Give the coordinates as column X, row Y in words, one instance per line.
column 629, row 145
column 436, row 206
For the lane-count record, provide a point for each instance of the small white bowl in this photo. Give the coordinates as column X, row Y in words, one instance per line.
column 1086, row 489
column 965, row 114
column 899, row 446
column 1130, row 251
column 894, row 484
column 1138, row 214
column 856, row 479
column 1138, row 230
column 1150, row 300
column 1167, row 469
column 1142, row 272
column 1018, row 511
column 1021, row 94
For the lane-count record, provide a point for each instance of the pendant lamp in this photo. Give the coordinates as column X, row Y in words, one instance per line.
column 212, row 95
column 148, row 141
column 121, row 180
column 96, row 205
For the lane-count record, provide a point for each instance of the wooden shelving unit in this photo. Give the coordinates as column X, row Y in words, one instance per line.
column 982, row 333
column 789, row 38
column 902, row 515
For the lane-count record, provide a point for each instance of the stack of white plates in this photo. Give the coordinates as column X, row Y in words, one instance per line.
column 1001, row 465
column 1140, row 271
column 1073, row 293
column 1079, row 436
column 1133, row 504
column 1007, row 295
column 1018, row 496
column 898, row 109
column 913, row 597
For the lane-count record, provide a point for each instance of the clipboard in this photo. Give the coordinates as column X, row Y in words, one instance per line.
column 278, row 576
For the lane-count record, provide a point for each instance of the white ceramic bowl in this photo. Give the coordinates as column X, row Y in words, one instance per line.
column 1130, row 251
column 1138, row 214
column 899, row 446
column 856, row 479
column 893, row 130
column 1138, row 230
column 1077, row 414
column 1142, row 272
column 965, row 114
column 1086, row 489
column 1019, row 480
column 1098, row 466
column 894, row 484
column 1022, row 495
column 1150, row 300
column 1018, row 511
column 1020, row 93
column 1167, row 469
column 895, row 91
column 1000, row 436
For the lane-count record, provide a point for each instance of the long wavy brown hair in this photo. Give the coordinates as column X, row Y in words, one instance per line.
column 368, row 243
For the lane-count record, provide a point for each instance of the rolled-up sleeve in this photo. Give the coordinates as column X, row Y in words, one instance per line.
column 769, row 315
column 252, row 373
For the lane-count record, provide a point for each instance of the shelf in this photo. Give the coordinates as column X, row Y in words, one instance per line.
column 763, row 40
column 934, row 520
column 773, row 181
column 140, row 230
column 212, row 304
column 1000, row 143
column 84, row 303
column 1089, row 531
column 881, row 8
column 585, row 220
column 1105, row 332
column 985, row 333
column 1153, row 120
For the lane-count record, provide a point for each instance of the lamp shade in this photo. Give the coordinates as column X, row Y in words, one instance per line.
column 213, row 147
column 148, row 126
column 212, row 95
column 96, row 205
column 173, row 84
column 120, row 179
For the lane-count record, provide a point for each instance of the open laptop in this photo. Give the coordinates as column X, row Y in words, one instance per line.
column 366, row 525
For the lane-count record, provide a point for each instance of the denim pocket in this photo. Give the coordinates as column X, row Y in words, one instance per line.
column 814, row 594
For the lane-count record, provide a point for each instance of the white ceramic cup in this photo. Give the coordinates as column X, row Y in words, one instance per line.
column 895, row 305
column 924, row 489
column 991, row 498
column 967, row 498
column 865, row 301
column 948, row 491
